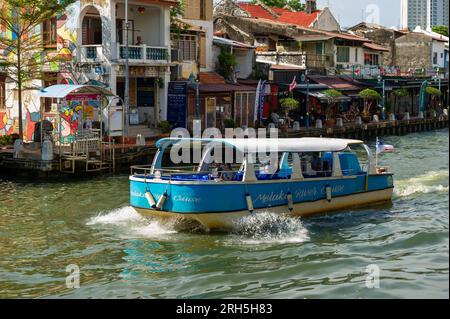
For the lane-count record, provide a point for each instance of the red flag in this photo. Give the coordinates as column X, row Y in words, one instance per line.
column 293, row 84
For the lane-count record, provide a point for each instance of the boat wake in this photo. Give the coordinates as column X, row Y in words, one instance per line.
column 430, row 182
column 269, row 228
column 128, row 223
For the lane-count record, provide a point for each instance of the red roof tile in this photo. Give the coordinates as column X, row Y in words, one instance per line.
column 256, row 11
column 280, row 10
column 211, row 78
column 302, row 19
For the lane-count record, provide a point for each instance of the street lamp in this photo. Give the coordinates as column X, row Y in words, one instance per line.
column 381, row 80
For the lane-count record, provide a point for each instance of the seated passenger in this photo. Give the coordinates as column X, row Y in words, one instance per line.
column 225, row 172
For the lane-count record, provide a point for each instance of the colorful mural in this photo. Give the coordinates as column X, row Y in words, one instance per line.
column 66, row 49
column 78, row 108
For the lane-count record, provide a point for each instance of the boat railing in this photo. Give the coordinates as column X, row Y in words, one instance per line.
column 147, row 169
column 188, row 172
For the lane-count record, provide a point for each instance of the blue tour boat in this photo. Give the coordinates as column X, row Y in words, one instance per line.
column 311, row 176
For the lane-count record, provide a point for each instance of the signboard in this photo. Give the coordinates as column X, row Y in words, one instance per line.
column 177, row 103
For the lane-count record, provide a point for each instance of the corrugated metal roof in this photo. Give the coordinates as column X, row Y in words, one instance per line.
column 60, row 91
column 220, row 88
column 219, row 40
column 376, row 47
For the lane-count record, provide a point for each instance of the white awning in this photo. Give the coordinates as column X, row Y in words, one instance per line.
column 254, row 145
column 60, row 91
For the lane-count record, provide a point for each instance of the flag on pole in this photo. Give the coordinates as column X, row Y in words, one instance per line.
column 255, row 109
column 381, row 147
column 293, row 84
column 261, row 99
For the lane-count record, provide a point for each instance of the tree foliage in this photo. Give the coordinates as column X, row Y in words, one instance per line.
column 369, row 94
column 332, row 94
column 294, row 4
column 433, row 91
column 288, row 104
column 226, row 62
column 22, row 45
column 402, row 92
column 441, row 29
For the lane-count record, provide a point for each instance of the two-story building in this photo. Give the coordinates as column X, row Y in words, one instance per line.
column 90, row 40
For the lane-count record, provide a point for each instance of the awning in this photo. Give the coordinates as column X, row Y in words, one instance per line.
column 252, row 145
column 376, row 47
column 335, row 82
column 325, row 99
column 228, row 42
column 60, row 91
column 223, row 88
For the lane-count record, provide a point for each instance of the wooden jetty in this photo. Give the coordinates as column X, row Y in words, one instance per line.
column 126, row 155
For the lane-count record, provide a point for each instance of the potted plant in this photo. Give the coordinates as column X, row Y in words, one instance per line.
column 434, row 93
column 332, row 96
column 369, row 96
column 165, row 127
column 399, row 93
column 229, row 123
column 287, row 105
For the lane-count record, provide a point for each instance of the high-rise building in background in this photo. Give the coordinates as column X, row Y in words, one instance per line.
column 423, row 13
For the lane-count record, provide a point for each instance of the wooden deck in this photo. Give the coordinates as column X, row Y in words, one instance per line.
column 127, row 155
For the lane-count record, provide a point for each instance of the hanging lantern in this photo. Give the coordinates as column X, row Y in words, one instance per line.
column 141, row 10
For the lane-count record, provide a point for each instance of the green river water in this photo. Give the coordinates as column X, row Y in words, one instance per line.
column 45, row 226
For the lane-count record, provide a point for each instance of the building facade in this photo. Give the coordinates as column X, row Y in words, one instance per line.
column 424, row 13
column 90, row 38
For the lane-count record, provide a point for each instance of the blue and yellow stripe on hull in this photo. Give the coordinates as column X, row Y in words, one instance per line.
column 226, row 220
column 219, row 205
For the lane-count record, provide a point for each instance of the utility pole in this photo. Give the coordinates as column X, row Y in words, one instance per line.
column 127, row 74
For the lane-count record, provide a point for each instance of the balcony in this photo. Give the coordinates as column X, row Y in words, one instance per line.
column 92, row 53
column 143, row 54
column 319, row 61
column 282, row 58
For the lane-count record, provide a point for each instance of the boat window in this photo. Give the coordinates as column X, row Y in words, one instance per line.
column 316, row 164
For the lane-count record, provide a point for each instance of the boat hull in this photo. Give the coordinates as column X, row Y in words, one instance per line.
column 309, row 199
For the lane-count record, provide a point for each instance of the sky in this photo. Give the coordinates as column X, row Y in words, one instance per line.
column 351, row 12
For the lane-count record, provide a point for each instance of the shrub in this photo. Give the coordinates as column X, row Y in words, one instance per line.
column 369, row 94
column 229, row 123
column 165, row 127
column 289, row 104
column 433, row 91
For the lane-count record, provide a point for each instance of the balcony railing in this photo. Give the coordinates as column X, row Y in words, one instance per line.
column 291, row 58
column 91, row 53
column 144, row 53
column 319, row 61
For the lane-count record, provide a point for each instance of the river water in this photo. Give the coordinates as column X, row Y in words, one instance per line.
column 47, row 226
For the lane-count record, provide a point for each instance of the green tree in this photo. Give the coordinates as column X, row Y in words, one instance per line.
column 294, row 4
column 289, row 104
column 24, row 53
column 441, row 29
column 332, row 96
column 226, row 62
column 368, row 95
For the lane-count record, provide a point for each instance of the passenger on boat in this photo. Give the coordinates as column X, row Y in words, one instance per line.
column 225, row 172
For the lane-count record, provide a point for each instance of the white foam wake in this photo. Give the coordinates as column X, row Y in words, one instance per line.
column 269, row 228
column 127, row 222
column 430, row 182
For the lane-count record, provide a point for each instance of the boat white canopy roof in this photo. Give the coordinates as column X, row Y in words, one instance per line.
column 253, row 145
column 60, row 91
